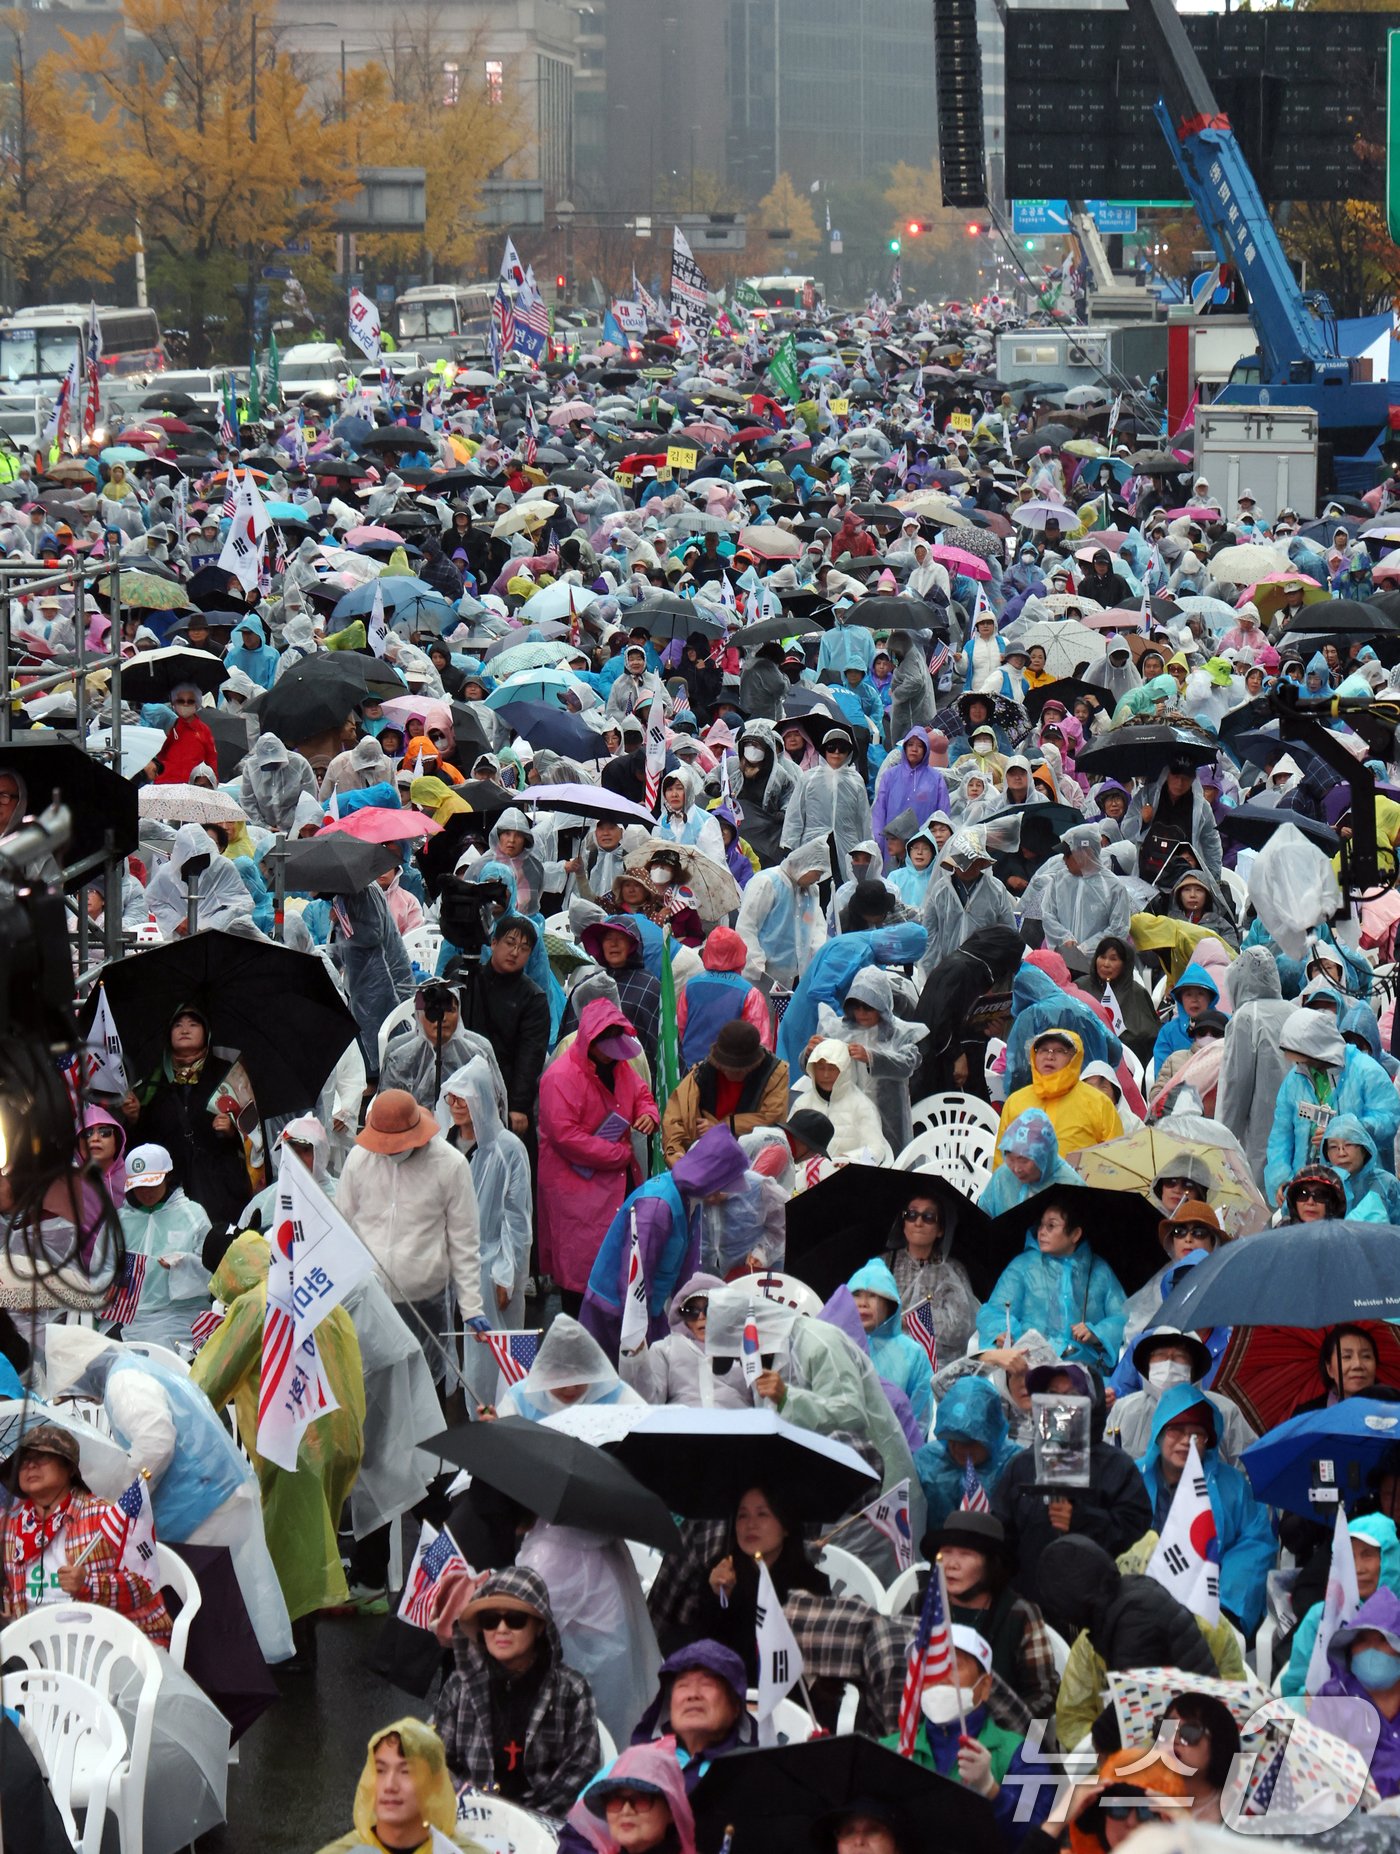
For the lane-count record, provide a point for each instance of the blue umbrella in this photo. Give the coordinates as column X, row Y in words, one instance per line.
column 397, row 589
column 549, row 687
column 1353, row 1435
column 424, row 611
column 287, row 511
column 554, row 729
column 1318, row 1272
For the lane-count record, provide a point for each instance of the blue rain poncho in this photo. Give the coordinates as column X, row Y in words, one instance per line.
column 1031, row 1135
column 1174, row 1034
column 1352, row 1083
column 827, row 979
column 1245, row 1542
column 1377, row 1530
column 1037, row 1003
column 1053, row 1294
column 260, row 663
column 1373, row 1194
column 900, row 1360
column 971, row 1412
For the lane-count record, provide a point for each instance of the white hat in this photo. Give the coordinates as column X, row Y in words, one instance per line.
column 970, row 1642
column 148, row 1165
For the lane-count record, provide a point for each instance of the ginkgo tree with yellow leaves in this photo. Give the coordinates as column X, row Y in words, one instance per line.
column 213, row 143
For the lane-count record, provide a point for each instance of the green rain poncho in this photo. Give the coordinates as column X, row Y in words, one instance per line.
column 300, row 1511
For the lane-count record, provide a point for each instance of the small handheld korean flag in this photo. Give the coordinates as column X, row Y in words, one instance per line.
column 751, row 1356
column 242, row 554
column 377, row 630
column 634, row 1306
column 890, row 1516
column 107, row 1068
column 779, row 1657
column 655, row 748
column 1186, row 1561
column 1115, row 1010
column 1339, row 1605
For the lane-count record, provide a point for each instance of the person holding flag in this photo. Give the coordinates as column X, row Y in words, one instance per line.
column 899, row 1360
column 1373, row 1546
column 763, row 1552
column 970, row 1432
column 970, row 1547
column 669, row 1370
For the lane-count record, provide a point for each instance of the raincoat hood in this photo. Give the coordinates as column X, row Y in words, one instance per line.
column 1254, row 977
column 716, row 1162
column 1032, row 1136
column 724, row 951
column 597, row 1019
column 1380, row 1611
column 1315, row 1036
column 1051, row 1087
column 1197, row 975
column 651, row 1766
column 697, row 1284
column 1378, row 1530
column 591, row 939
column 872, row 986
column 1083, row 1578
column 972, row 1411
column 512, row 818
column 806, row 859
column 1359, row 1020
column 427, row 1760
column 1347, row 1127
column 1170, row 1405
column 875, row 1278
column 472, row 1083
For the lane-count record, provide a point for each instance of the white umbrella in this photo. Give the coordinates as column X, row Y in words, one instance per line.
column 188, row 804
column 1060, row 603
column 140, row 745
column 523, row 515
column 771, row 542
column 1241, row 566
column 102, row 1461
column 556, row 601
column 538, row 654
column 1066, row 645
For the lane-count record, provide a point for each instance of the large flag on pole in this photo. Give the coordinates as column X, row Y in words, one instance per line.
column 106, row 1067
column 377, row 630
column 655, row 748
column 92, row 411
column 783, row 369
column 689, row 294
column 365, row 331
column 243, row 546
column 1186, row 1559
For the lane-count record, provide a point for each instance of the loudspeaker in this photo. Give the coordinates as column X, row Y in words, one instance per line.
column 958, row 74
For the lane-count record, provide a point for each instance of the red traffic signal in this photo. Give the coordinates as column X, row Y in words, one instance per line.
column 561, row 282
column 914, row 227
column 974, row 230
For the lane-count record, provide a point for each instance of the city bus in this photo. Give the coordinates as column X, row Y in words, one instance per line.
column 437, row 316
column 36, row 345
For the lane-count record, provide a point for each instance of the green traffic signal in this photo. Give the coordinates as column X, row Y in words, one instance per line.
column 895, row 246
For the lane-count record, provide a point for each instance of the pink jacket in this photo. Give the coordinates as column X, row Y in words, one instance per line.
column 583, row 1180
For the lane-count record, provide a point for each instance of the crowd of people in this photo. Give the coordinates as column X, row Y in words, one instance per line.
column 845, row 928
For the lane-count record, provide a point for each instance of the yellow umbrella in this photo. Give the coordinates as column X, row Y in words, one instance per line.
column 1085, row 447
column 1182, row 1144
column 524, row 515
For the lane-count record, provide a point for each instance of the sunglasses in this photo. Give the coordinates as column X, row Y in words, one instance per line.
column 630, row 1799
column 695, row 1309
column 515, row 1620
column 1189, row 1733
column 921, row 1216
column 1311, row 1194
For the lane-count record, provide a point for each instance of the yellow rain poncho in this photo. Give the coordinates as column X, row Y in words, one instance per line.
column 1155, row 933
column 301, row 1511
column 436, row 797
column 427, row 1760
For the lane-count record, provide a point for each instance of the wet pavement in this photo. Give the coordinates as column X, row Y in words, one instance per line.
column 292, row 1789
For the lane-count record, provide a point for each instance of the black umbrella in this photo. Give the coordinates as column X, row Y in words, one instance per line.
column 211, row 588
column 1068, row 690
column 485, row 798
column 396, row 438
column 335, row 865
column 1254, row 824
column 150, row 676
column 1158, row 463
column 334, row 467
column 1317, row 1275
column 318, row 693
column 1345, row 615
column 777, row 1795
column 222, row 1655
column 1119, row 1226
column 230, row 733
column 1054, row 435
column 885, row 612
column 546, row 726
column 277, row 1008
column 702, row 1462
column 1144, row 748
column 98, row 798
column 559, row 1478
column 664, row 615
column 848, row 1216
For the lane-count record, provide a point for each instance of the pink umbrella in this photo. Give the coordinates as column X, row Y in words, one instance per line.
column 431, row 710
column 1120, row 618
column 372, row 532
column 381, row 824
column 966, row 564
column 571, row 413
column 705, row 433
column 1277, row 579
column 1192, row 514
column 1111, row 538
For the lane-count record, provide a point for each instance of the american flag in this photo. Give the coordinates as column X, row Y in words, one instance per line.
column 974, row 1494
column 532, row 315
column 502, row 325
column 1263, row 1793
column 230, row 494
column 204, row 1325
column 429, row 1563
column 122, row 1302
column 514, row 1353
column 532, row 448
column 130, row 1525
column 930, row 1660
column 937, row 657
column 918, row 1323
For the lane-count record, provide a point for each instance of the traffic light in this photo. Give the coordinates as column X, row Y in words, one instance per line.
column 896, row 247
column 973, row 230
column 913, row 228
column 561, row 282
column 1028, row 245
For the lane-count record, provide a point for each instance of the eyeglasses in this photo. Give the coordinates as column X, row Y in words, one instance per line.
column 922, row 1216
column 514, row 943
column 513, row 1619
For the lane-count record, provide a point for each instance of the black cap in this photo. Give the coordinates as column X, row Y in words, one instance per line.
column 813, row 1129
column 982, row 1532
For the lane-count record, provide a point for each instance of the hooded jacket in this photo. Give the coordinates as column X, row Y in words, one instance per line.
column 1372, row 1194
column 853, row 1115
column 638, row 990
column 828, row 801
column 1252, row 1065
column 260, row 663
column 711, row 998
column 584, row 1178
column 921, row 789
column 763, row 787
column 1030, row 1136
column 1340, row 1077
column 970, row 1412
column 222, row 896
column 898, row 1358
column 189, row 744
column 273, row 779
column 652, row 1766
column 500, row 1167
column 1051, row 1294
column 983, row 964
column 1203, row 835
column 1243, row 1531
column 780, row 923
column 1080, row 1115
column 953, row 912
column 1113, row 1511
column 560, row 1729
column 1174, row 1034
column 665, row 1212
column 1379, row 1531
column 675, row 1369
column 893, row 1047
column 1381, row 1612
column 1131, row 1621
column 1134, row 1001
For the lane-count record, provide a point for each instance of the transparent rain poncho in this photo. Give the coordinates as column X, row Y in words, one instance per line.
column 568, row 1356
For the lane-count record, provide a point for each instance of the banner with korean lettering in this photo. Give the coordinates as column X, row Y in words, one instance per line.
column 690, row 302
column 328, row 1259
column 364, row 325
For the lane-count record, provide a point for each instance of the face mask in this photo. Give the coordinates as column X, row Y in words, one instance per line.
column 1375, row 1668
column 942, row 1703
column 751, row 755
column 659, row 874
column 1164, row 1372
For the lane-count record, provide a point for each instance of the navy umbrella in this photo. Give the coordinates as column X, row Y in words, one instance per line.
column 555, row 729
column 1354, row 1435
column 1255, row 824
column 1321, row 1272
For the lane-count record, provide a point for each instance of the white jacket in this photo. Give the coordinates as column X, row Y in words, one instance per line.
column 418, row 1220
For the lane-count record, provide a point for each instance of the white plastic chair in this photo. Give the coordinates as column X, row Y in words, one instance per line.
column 951, row 1109
column 173, row 1574
column 787, row 1290
column 81, row 1741
column 648, row 1562
column 101, row 1649
column 607, row 1745
column 502, row 1827
column 1237, row 889
column 851, row 1577
column 158, row 1355
column 793, row 1723
column 963, row 1156
column 1059, row 1650
column 1134, row 1065
column 401, row 1015
column 846, row 1712
column 902, row 1592
column 423, row 945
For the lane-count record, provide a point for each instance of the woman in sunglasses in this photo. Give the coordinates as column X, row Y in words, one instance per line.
column 513, row 1718
column 1315, row 1195
column 1207, row 1741
column 639, row 1806
column 917, row 1253
column 671, row 1370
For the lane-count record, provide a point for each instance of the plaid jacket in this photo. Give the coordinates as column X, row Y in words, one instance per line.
column 105, row 1583
column 562, row 1751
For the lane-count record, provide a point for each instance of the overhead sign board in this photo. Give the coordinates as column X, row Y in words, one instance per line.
column 1049, row 218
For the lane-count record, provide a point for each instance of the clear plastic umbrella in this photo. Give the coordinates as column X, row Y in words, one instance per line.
column 1066, row 645
column 188, row 804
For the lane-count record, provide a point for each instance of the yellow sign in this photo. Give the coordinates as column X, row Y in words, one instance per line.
column 680, row 457
column 838, row 407
column 624, row 479
column 961, row 421
column 663, row 475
